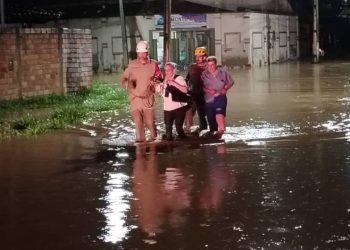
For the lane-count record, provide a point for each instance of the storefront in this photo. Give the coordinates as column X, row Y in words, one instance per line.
column 188, row 32
column 236, row 39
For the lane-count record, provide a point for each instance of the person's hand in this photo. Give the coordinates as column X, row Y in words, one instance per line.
column 209, row 91
column 213, row 92
column 171, row 81
column 223, row 91
column 132, row 82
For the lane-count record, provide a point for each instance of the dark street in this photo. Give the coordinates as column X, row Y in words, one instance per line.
column 279, row 180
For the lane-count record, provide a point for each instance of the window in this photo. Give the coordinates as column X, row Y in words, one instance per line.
column 94, row 45
column 232, row 40
column 293, row 38
column 257, row 40
column 117, row 45
column 283, row 39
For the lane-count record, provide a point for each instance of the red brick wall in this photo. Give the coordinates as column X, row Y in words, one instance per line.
column 8, row 78
column 45, row 61
column 40, row 62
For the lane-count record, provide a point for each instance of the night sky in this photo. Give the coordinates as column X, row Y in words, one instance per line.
column 334, row 25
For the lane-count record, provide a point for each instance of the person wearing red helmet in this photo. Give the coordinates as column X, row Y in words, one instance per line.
column 195, row 83
column 137, row 80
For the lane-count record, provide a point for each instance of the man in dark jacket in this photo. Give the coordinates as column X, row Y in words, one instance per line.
column 196, row 88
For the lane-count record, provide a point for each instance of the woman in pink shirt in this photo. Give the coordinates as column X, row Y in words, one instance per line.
column 174, row 110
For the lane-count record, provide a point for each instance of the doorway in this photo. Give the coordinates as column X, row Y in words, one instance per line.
column 183, row 44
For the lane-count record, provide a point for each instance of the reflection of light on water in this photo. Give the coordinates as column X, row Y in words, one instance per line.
column 347, row 135
column 331, row 125
column 258, row 132
column 122, row 155
column 339, row 123
column 117, row 206
column 336, row 238
column 90, row 131
column 345, row 99
column 256, row 143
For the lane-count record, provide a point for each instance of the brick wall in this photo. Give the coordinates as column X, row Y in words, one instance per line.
column 44, row 61
column 8, row 77
column 77, row 57
column 40, row 62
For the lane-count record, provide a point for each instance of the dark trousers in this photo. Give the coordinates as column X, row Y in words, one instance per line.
column 177, row 116
column 198, row 104
column 201, row 116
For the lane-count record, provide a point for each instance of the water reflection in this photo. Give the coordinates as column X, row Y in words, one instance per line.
column 261, row 191
column 281, row 101
column 280, row 180
column 117, row 207
column 216, row 182
column 160, row 197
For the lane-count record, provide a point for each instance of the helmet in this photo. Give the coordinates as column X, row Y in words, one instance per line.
column 200, row 51
column 142, row 46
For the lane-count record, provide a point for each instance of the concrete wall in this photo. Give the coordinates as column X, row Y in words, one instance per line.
column 214, row 20
column 235, row 35
column 258, row 43
column 242, row 38
column 107, row 38
column 43, row 61
column 270, row 37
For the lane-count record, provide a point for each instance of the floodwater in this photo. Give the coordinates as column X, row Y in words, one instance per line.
column 279, row 181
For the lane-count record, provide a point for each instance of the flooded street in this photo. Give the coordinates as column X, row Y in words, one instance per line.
column 280, row 179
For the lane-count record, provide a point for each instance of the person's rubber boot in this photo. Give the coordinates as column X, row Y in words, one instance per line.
column 168, row 135
column 182, row 136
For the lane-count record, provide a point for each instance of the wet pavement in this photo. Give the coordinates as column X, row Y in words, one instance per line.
column 280, row 179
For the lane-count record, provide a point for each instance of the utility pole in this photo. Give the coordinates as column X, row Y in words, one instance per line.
column 124, row 37
column 167, row 31
column 2, row 10
column 268, row 38
column 316, row 30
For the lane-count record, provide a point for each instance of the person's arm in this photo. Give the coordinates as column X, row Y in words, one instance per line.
column 187, row 79
column 157, row 73
column 228, row 84
column 209, row 91
column 125, row 78
column 179, row 83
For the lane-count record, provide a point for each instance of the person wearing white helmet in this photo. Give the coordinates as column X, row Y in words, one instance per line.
column 138, row 79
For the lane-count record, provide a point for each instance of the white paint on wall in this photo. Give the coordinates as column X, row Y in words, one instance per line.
column 240, row 38
column 107, row 37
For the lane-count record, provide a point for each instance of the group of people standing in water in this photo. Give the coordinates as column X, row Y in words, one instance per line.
column 203, row 91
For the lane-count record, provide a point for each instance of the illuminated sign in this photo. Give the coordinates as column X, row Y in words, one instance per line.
column 183, row 21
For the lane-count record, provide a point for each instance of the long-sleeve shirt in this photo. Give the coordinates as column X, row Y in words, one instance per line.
column 169, row 104
column 136, row 79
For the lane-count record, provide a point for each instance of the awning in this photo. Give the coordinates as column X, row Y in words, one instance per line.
column 276, row 6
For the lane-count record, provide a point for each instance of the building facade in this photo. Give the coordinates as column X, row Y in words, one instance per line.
column 254, row 39
column 236, row 39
